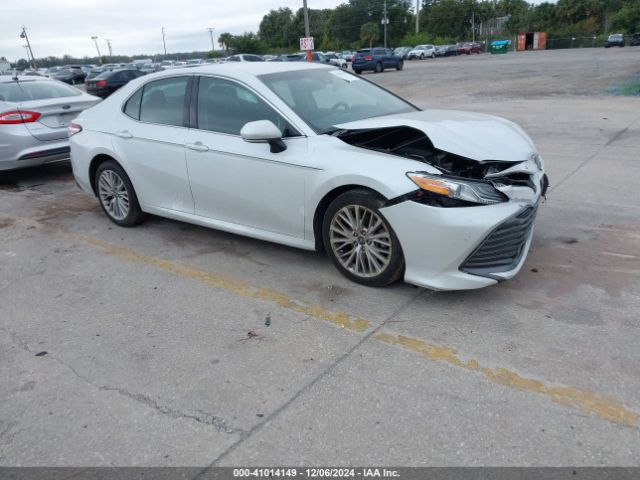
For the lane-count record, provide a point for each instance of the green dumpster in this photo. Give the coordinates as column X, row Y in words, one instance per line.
column 499, row 46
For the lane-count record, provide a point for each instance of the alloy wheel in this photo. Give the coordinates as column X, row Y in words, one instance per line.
column 360, row 240
column 113, row 194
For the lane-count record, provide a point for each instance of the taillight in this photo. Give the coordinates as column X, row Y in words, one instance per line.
column 15, row 116
column 368, row 58
column 101, row 83
column 74, row 128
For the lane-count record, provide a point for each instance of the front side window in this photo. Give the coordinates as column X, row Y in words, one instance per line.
column 163, row 101
column 225, row 107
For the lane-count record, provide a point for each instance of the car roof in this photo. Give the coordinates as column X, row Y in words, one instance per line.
column 242, row 68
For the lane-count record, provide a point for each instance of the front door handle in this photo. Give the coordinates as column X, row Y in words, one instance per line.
column 123, row 134
column 197, row 146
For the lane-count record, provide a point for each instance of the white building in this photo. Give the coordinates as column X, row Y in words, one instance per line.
column 4, row 65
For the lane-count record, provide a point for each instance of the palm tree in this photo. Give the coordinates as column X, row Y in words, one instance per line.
column 225, row 40
column 369, row 33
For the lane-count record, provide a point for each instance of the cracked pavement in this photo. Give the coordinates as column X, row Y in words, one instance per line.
column 173, row 345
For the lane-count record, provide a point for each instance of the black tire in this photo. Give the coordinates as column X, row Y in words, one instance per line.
column 378, row 68
column 134, row 215
column 422, row 56
column 433, row 55
column 359, row 72
column 400, row 65
column 394, row 269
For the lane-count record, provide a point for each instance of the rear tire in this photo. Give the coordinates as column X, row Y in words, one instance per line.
column 373, row 256
column 116, row 195
column 378, row 68
column 359, row 72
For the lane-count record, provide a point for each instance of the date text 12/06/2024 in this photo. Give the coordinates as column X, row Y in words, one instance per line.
column 316, row 472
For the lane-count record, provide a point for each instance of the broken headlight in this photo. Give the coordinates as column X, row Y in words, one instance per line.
column 444, row 191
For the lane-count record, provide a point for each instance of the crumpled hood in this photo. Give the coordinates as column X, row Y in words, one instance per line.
column 471, row 135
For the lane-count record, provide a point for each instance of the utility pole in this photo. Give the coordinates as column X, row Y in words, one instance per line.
column 213, row 47
column 164, row 43
column 307, row 31
column 95, row 40
column 385, row 21
column 473, row 25
column 24, row 35
column 109, row 46
column 417, row 16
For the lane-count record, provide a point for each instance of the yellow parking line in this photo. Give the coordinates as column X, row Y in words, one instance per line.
column 229, row 284
column 604, row 407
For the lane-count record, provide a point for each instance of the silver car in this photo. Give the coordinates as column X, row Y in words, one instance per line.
column 34, row 115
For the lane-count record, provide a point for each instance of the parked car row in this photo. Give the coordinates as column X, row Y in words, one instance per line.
column 420, row 52
column 618, row 40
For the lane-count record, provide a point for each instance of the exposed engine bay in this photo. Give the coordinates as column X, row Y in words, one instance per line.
column 412, row 143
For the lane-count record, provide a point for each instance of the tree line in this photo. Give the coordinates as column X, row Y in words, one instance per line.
column 358, row 23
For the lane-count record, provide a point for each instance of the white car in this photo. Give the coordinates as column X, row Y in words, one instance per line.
column 422, row 52
column 317, row 158
column 336, row 60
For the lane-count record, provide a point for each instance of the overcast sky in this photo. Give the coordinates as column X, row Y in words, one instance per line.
column 58, row 27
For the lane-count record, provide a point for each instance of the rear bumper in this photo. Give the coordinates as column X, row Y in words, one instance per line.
column 364, row 65
column 99, row 92
column 19, row 148
column 37, row 157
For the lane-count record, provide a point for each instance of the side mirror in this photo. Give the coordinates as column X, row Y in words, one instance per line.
column 263, row 131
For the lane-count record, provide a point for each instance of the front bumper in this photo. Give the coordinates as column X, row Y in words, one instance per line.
column 436, row 242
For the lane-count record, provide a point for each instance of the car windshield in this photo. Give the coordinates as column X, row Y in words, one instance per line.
column 35, row 90
column 324, row 98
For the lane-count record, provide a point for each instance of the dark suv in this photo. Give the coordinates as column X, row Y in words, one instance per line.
column 615, row 40
column 375, row 59
column 635, row 40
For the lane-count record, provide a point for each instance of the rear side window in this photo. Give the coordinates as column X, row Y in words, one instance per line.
column 163, row 101
column 24, row 91
column 132, row 107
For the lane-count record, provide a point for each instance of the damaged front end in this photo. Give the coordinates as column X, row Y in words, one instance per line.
column 459, row 181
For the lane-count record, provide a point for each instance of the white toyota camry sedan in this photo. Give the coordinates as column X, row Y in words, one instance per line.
column 317, row 158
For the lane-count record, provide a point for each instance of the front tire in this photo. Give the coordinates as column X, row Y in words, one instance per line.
column 359, row 240
column 116, row 195
column 400, row 65
column 378, row 68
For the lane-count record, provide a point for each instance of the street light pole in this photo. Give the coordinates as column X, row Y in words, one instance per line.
column 213, row 46
column 164, row 43
column 26, row 37
column 417, row 16
column 109, row 46
column 95, row 40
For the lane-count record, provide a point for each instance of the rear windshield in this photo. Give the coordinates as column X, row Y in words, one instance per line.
column 35, row 90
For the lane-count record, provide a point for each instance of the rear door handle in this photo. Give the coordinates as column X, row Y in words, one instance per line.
column 197, row 146
column 123, row 134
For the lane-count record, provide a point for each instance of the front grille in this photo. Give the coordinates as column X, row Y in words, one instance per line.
column 503, row 248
